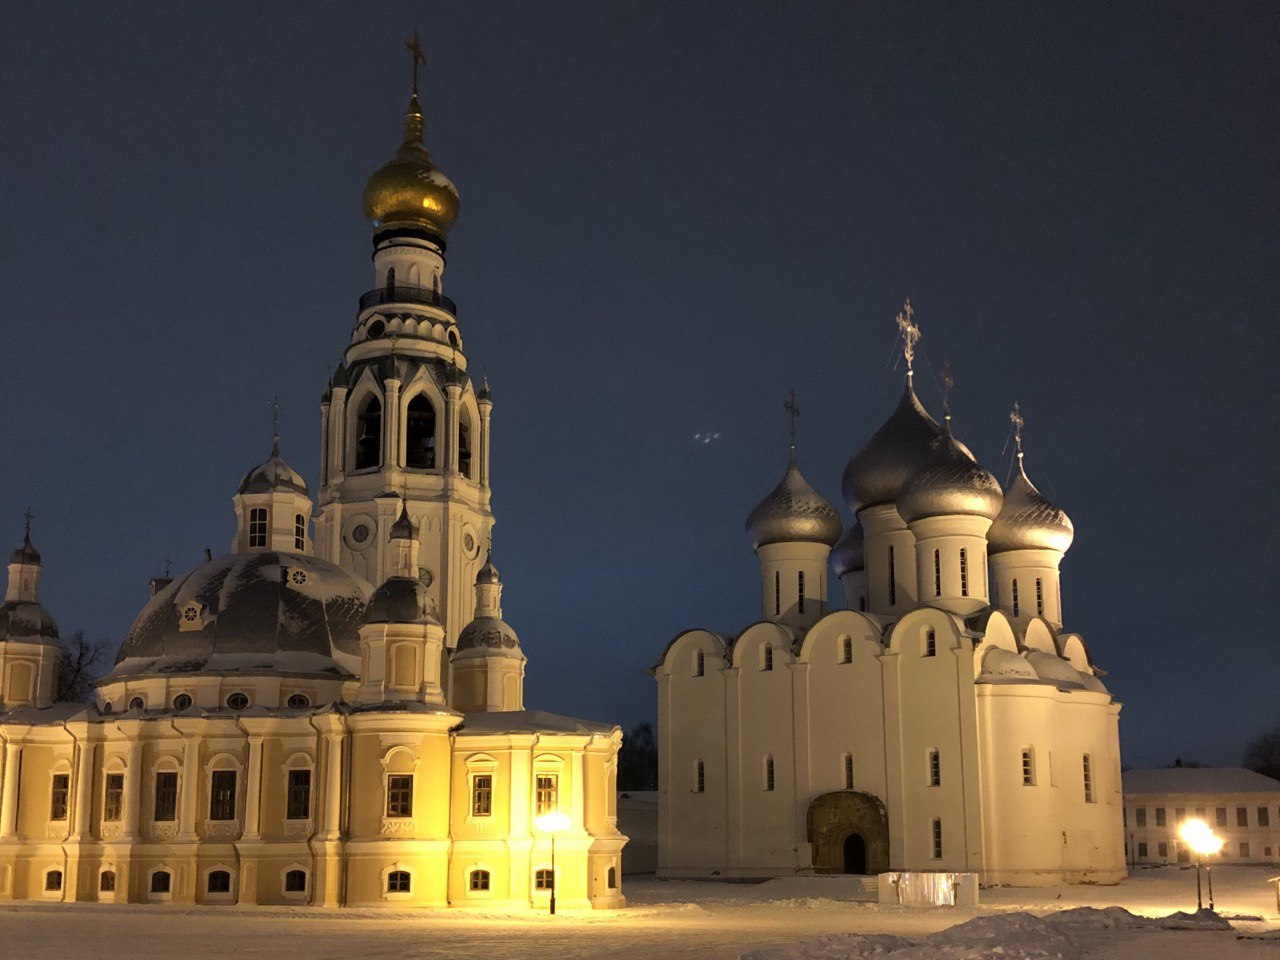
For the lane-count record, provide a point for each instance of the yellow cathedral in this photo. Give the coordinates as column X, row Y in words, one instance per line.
column 333, row 712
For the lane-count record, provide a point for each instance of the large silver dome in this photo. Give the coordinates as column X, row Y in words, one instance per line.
column 1028, row 521
column 793, row 512
column 488, row 637
column 901, row 445
column 949, row 483
column 247, row 613
column 849, row 554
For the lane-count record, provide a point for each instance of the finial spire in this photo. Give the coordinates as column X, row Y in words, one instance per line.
column 415, row 51
column 168, row 565
column 947, row 381
column 910, row 336
column 793, row 414
column 1015, row 417
column 275, row 425
column 26, row 533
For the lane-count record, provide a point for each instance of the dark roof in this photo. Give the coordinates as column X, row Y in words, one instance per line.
column 25, row 553
column 26, row 622
column 273, row 474
column 530, row 721
column 1201, row 780
column 400, row 600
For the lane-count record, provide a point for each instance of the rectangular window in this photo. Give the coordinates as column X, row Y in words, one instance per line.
column 1015, row 598
column 482, row 796
column 768, row 773
column 1242, row 816
column 58, row 796
column 546, row 790
column 964, row 572
column 1088, row 779
column 299, row 795
column 937, row 839
column 893, row 581
column 937, row 573
column 1244, row 849
column 935, row 769
column 699, row 664
column 1179, row 814
column 400, row 795
column 700, row 778
column 113, row 797
column 1160, row 820
column 300, row 532
column 1162, row 849
column 1264, row 817
column 222, row 795
column 777, row 593
column 1039, row 597
column 166, row 797
column 1221, row 816
column 1028, row 769
column 800, row 592
column 848, row 771
column 1140, row 817
column 258, row 527
column 930, row 643
column 1142, row 850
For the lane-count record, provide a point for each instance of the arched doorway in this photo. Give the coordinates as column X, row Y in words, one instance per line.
column 855, row 854
column 849, row 833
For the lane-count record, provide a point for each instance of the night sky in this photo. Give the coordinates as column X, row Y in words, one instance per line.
column 671, row 214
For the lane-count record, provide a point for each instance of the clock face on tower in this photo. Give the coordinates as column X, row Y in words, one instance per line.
column 469, row 543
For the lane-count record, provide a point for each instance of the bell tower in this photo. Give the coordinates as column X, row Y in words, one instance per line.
column 404, row 427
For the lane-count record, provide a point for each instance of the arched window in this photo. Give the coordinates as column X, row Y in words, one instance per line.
column 930, row 643
column 137, row 703
column 53, row 880
column 964, row 572
column 1039, row 597
column 1028, row 768
column 700, row 777
column 768, row 773
column 258, row 527
column 848, row 771
column 391, row 278
column 937, row 573
column 218, row 881
column 846, row 650
column 800, row 592
column 862, row 603
column 613, row 878
column 369, row 434
column 893, row 580
column 1015, row 598
column 544, row 880
column 299, row 532
column 161, row 881
column 479, row 880
column 398, row 881
column 767, row 662
column 107, row 881
column 699, row 664
column 295, row 881
column 777, row 593
column 420, row 434
column 935, row 769
column 464, row 447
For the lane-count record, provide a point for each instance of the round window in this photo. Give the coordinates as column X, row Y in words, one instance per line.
column 298, row 577
column 136, row 703
column 191, row 612
column 426, row 576
column 376, row 329
column 360, row 533
column 238, row 701
column 182, row 701
column 299, row 700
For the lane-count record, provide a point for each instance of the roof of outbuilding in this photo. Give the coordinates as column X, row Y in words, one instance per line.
column 1202, row 780
column 530, row 721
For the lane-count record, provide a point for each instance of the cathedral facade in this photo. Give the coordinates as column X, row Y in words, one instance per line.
column 944, row 720
column 331, row 718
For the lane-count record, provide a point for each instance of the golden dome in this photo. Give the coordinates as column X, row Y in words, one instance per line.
column 410, row 190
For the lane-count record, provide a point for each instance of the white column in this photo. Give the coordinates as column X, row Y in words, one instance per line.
column 337, row 451
column 253, row 790
column 391, row 426
column 190, row 786
column 333, row 788
column 9, row 799
column 84, row 791
column 452, row 393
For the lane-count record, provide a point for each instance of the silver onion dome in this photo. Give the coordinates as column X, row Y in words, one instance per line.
column 400, row 600
column 848, row 555
column 273, row 474
column 793, row 512
column 901, row 445
column 488, row 573
column 949, row 483
column 1028, row 521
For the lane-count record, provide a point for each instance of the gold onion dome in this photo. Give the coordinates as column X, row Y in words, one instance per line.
column 793, row 512
column 849, row 555
column 1028, row 521
column 950, row 483
column 409, row 191
column 902, row 444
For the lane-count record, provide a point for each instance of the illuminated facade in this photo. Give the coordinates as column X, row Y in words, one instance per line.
column 335, row 723
column 944, row 721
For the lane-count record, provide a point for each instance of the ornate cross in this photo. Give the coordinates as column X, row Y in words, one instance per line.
column 415, row 51
column 793, row 414
column 910, row 335
column 1015, row 417
column 28, row 515
column 275, row 419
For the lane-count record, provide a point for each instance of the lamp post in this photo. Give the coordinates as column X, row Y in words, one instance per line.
column 1203, row 842
column 552, row 822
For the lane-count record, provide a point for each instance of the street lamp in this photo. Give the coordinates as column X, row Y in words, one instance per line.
column 1203, row 843
column 552, row 822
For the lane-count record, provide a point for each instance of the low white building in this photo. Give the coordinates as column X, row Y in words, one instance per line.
column 1241, row 806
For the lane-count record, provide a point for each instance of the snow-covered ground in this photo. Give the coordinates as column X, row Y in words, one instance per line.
column 793, row 919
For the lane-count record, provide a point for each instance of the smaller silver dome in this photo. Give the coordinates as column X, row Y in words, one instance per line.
column 950, row 483
column 26, row 553
column 488, row 637
column 902, row 444
column 273, row 474
column 403, row 528
column 25, row 621
column 849, row 554
column 488, row 573
column 793, row 512
column 1028, row 521
column 401, row 600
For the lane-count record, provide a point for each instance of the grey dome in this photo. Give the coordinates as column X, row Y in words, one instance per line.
column 488, row 573
column 273, row 474
column 25, row 621
column 400, row 600
column 949, row 483
column 793, row 512
column 849, row 554
column 488, row 637
column 256, row 612
column 901, row 445
column 25, row 553
column 403, row 528
column 1028, row 521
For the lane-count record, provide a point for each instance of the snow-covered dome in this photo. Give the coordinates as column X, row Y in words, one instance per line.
column 1051, row 667
column 268, row 612
column 949, row 483
column 400, row 600
column 793, row 512
column 26, row 553
column 849, row 553
column 488, row 637
column 26, row 622
column 1006, row 666
column 901, row 445
column 273, row 474
column 1028, row 521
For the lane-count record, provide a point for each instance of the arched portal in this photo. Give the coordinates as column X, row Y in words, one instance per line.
column 849, row 833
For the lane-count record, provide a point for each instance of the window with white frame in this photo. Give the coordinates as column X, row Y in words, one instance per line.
column 112, row 797
column 53, row 881
column 546, row 789
column 218, row 881
column 398, row 881
column 1028, row 768
column 299, row 532
column 295, row 881
column 107, row 881
column 478, row 881
column 59, row 796
column 298, row 795
column 937, row 839
column 935, row 769
column 161, row 882
column 222, row 795
column 482, row 795
column 399, row 795
column 544, row 880
column 166, row 799
column 258, row 527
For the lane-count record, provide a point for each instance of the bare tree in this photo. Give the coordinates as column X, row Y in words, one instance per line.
column 1262, row 754
column 638, row 759
column 76, row 668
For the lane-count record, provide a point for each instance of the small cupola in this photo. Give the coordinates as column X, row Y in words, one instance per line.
column 273, row 508
column 29, row 650
column 488, row 664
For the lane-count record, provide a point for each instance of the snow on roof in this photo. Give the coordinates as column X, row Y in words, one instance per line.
column 530, row 721
column 1198, row 780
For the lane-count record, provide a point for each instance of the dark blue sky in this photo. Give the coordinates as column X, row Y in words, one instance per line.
column 671, row 213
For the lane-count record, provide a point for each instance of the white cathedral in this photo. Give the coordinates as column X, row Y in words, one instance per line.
column 332, row 721
column 945, row 721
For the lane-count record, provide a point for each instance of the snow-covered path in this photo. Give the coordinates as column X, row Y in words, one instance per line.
column 782, row 920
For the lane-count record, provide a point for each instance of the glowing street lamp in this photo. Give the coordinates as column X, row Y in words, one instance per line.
column 1203, row 842
column 552, row 822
